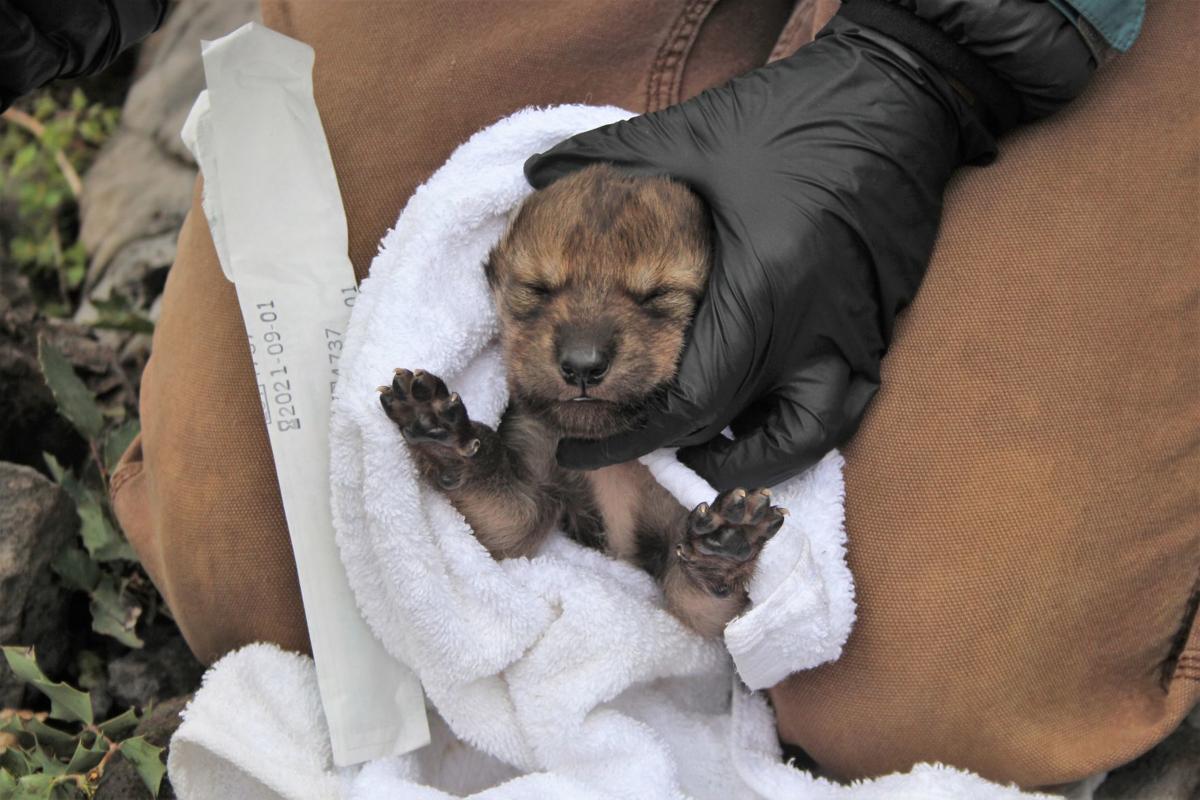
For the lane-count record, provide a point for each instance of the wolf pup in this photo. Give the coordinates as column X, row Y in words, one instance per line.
column 595, row 283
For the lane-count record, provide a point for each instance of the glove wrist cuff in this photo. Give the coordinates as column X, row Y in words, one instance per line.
column 1031, row 45
column 991, row 97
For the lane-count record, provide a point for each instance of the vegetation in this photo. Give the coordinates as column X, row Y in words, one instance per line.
column 105, row 567
column 43, row 760
column 44, row 148
column 46, row 142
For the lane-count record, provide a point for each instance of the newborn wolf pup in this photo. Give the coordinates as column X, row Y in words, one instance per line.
column 595, row 283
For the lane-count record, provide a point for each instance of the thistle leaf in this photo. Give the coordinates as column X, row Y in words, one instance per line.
column 117, row 441
column 56, row 469
column 48, row 736
column 118, row 725
column 13, row 762
column 77, row 569
column 84, row 758
column 101, row 538
column 45, row 762
column 147, row 760
column 35, row 786
column 66, row 702
column 114, row 613
column 74, row 400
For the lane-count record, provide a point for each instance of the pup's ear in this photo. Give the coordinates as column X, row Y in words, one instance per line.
column 489, row 269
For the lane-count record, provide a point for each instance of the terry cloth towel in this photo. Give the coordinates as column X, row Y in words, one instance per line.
column 557, row 676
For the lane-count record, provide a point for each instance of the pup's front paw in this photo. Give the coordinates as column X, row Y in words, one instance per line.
column 724, row 538
column 430, row 417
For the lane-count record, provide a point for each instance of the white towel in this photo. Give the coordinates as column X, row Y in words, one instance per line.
column 556, row 676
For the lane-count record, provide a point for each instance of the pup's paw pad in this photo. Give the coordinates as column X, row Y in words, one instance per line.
column 735, row 526
column 428, row 413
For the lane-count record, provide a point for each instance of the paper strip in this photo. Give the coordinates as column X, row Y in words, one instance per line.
column 272, row 201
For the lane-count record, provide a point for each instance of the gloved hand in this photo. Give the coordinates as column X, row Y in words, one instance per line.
column 824, row 175
column 41, row 40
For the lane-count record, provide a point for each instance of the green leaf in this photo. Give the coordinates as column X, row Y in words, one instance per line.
column 113, row 728
column 76, row 569
column 117, row 442
column 121, row 550
column 71, row 485
column 47, row 254
column 55, row 309
column 8, row 784
column 115, row 313
column 14, row 762
column 75, row 265
column 78, row 100
column 24, row 159
column 66, row 702
column 91, row 131
column 58, row 133
column 74, row 273
column 93, row 671
column 115, row 614
column 84, row 758
column 46, row 762
column 36, row 786
column 44, row 105
column 101, row 538
column 74, row 400
column 23, row 663
column 147, row 760
column 67, row 789
column 22, row 249
column 60, row 741
column 56, row 469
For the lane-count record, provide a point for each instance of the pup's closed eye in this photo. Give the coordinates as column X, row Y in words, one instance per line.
column 541, row 290
column 526, row 301
column 645, row 298
column 666, row 301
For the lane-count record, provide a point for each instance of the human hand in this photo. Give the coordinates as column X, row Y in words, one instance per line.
column 824, row 175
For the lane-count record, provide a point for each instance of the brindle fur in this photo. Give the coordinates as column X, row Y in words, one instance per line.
column 610, row 266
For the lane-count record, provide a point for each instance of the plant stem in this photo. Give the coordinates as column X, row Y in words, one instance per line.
column 99, row 461
column 97, row 772
column 63, row 289
column 30, row 123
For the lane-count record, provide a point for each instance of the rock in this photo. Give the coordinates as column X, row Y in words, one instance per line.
column 133, row 191
column 140, row 186
column 161, row 670
column 135, row 273
column 1171, row 771
column 37, row 519
column 121, row 781
column 86, row 349
column 159, row 102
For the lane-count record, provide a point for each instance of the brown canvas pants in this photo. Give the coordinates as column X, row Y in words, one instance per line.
column 1022, row 498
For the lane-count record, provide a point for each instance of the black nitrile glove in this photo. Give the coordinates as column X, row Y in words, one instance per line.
column 41, row 40
column 824, row 175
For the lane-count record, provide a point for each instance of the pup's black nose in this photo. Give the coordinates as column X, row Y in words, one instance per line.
column 583, row 365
